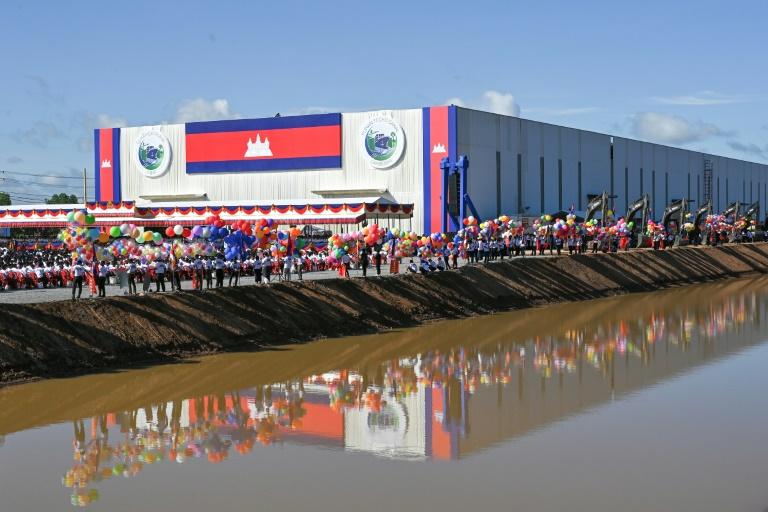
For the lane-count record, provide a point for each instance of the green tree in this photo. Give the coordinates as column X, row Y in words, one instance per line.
column 5, row 199
column 62, row 198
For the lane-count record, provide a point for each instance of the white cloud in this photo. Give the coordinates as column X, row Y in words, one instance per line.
column 83, row 124
column 749, row 149
column 200, row 109
column 491, row 101
column 39, row 134
column 501, row 103
column 107, row 121
column 700, row 99
column 670, row 129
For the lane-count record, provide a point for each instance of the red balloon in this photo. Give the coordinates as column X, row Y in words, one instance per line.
column 186, row 233
column 169, row 232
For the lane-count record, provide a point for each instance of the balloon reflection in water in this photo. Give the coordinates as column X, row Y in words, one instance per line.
column 384, row 409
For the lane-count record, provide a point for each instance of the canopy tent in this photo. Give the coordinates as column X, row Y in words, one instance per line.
column 336, row 211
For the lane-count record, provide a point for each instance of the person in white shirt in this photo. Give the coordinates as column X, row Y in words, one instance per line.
column 208, row 273
column 131, row 270
column 234, row 271
column 300, row 264
column 266, row 267
column 102, row 279
column 219, row 266
column 160, row 275
column 78, row 270
column 346, row 261
column 199, row 269
column 40, row 275
column 287, row 266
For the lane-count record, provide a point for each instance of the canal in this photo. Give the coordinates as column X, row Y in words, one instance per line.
column 652, row 401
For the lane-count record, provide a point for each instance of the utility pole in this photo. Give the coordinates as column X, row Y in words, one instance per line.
column 85, row 187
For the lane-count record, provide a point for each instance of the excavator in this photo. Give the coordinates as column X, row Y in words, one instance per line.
column 675, row 211
column 705, row 209
column 642, row 205
column 733, row 210
column 752, row 212
column 597, row 203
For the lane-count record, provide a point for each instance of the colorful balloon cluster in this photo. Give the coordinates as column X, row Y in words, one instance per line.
column 78, row 237
column 340, row 244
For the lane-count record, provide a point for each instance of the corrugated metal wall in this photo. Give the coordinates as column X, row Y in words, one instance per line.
column 403, row 181
column 539, row 168
column 517, row 166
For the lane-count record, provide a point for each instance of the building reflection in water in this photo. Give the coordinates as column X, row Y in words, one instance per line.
column 439, row 403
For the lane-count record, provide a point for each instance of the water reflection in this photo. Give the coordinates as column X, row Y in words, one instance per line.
column 440, row 392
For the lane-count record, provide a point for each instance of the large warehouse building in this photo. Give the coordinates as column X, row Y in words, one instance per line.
column 516, row 166
column 386, row 166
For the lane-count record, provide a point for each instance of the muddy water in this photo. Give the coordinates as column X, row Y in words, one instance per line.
column 645, row 402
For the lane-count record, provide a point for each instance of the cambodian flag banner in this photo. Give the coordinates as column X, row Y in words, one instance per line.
column 269, row 144
column 106, row 142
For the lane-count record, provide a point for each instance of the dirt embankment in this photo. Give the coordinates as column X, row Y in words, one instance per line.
column 50, row 339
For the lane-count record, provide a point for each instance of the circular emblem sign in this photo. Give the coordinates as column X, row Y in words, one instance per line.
column 384, row 142
column 152, row 154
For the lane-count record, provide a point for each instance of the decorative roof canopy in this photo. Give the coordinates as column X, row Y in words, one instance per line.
column 338, row 211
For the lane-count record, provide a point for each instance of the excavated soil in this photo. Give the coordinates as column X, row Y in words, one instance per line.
column 62, row 338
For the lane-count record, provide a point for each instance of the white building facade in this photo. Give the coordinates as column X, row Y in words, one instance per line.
column 516, row 166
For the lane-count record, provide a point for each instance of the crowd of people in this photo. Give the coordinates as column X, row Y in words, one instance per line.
column 22, row 267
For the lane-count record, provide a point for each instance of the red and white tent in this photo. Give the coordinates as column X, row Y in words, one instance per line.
column 336, row 211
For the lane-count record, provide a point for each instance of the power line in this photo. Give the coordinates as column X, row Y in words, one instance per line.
column 32, row 197
column 43, row 175
column 14, row 181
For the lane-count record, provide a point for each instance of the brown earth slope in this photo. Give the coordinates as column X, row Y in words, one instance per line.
column 48, row 339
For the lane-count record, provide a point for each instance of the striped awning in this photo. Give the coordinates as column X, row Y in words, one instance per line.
column 166, row 214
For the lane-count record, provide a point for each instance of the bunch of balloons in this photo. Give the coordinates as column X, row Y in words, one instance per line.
column 623, row 227
column 654, row 228
column 591, row 227
column 80, row 218
column 180, row 231
column 238, row 240
column 560, row 228
column 78, row 237
column 340, row 244
column 372, row 234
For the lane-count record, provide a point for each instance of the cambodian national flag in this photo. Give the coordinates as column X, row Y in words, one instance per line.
column 268, row 144
column 106, row 142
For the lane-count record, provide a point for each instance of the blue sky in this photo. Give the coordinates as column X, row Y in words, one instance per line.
column 689, row 74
